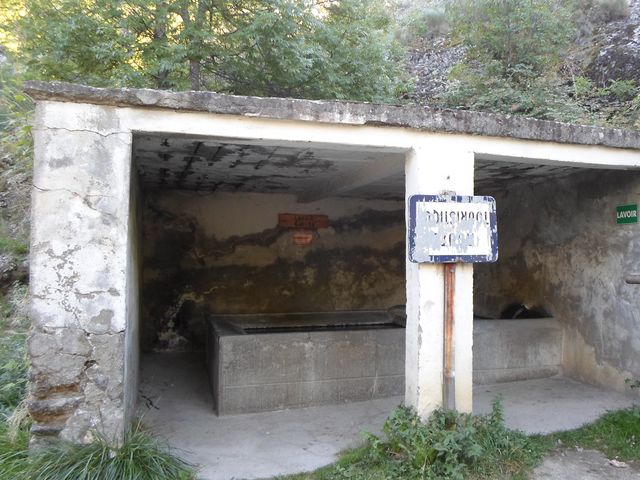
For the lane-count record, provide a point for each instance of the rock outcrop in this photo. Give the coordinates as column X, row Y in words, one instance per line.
column 607, row 48
column 617, row 50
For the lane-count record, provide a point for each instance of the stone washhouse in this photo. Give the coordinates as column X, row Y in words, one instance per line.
column 269, row 235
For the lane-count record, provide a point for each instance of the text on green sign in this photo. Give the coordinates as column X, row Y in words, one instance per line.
column 627, row 214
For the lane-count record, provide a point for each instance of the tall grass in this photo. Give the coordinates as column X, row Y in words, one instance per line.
column 14, row 325
column 140, row 457
column 13, row 451
column 13, row 372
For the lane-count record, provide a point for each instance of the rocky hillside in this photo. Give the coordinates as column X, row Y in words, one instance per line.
column 430, row 63
column 606, row 48
column 615, row 52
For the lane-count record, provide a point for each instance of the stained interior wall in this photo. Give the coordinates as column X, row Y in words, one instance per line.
column 560, row 247
column 224, row 253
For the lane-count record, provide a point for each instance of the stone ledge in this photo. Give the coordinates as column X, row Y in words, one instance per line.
column 53, row 410
column 350, row 113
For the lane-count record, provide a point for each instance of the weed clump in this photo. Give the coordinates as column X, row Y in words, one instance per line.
column 449, row 445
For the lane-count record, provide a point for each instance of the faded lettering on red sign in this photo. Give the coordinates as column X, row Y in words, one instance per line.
column 301, row 221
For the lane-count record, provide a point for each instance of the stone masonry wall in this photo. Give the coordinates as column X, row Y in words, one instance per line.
column 224, row 253
column 560, row 247
column 78, row 273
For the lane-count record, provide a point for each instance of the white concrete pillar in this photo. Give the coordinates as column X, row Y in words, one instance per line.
column 435, row 167
column 79, row 265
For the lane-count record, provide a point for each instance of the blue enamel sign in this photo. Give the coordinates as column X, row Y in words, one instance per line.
column 452, row 228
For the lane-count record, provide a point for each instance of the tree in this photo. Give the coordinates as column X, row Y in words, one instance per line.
column 513, row 33
column 304, row 48
column 513, row 53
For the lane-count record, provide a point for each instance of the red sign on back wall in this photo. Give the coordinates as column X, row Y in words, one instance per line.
column 300, row 221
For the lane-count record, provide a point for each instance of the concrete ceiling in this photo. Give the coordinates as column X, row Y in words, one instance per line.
column 493, row 174
column 311, row 171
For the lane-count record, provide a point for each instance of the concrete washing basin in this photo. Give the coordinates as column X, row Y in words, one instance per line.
column 278, row 361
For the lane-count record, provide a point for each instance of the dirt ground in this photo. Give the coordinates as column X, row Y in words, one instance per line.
column 578, row 464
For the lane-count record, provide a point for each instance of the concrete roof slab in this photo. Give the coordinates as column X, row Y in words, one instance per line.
column 419, row 118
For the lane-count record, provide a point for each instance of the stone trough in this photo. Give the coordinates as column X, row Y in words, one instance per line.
column 278, row 361
column 512, row 350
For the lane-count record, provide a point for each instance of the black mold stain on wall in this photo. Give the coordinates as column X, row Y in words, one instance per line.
column 189, row 273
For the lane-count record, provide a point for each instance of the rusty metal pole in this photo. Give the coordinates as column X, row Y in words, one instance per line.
column 449, row 370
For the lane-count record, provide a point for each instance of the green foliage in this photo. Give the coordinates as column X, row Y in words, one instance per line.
column 529, row 95
column 513, row 55
column 13, row 246
column 69, row 39
column 449, row 445
column 513, row 34
column 582, row 87
column 140, row 457
column 16, row 108
column 622, row 90
column 13, row 356
column 425, row 21
column 617, row 434
column 504, row 453
column 617, row 105
column 365, row 61
column 13, row 371
column 444, row 447
column 16, row 149
column 455, row 446
column 310, row 48
column 13, row 451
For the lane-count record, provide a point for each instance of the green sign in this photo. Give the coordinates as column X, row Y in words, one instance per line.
column 627, row 213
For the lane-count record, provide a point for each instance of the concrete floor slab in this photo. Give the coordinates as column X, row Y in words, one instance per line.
column 175, row 402
column 548, row 405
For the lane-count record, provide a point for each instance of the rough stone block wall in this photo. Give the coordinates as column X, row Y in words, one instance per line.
column 224, row 253
column 78, row 273
column 560, row 247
